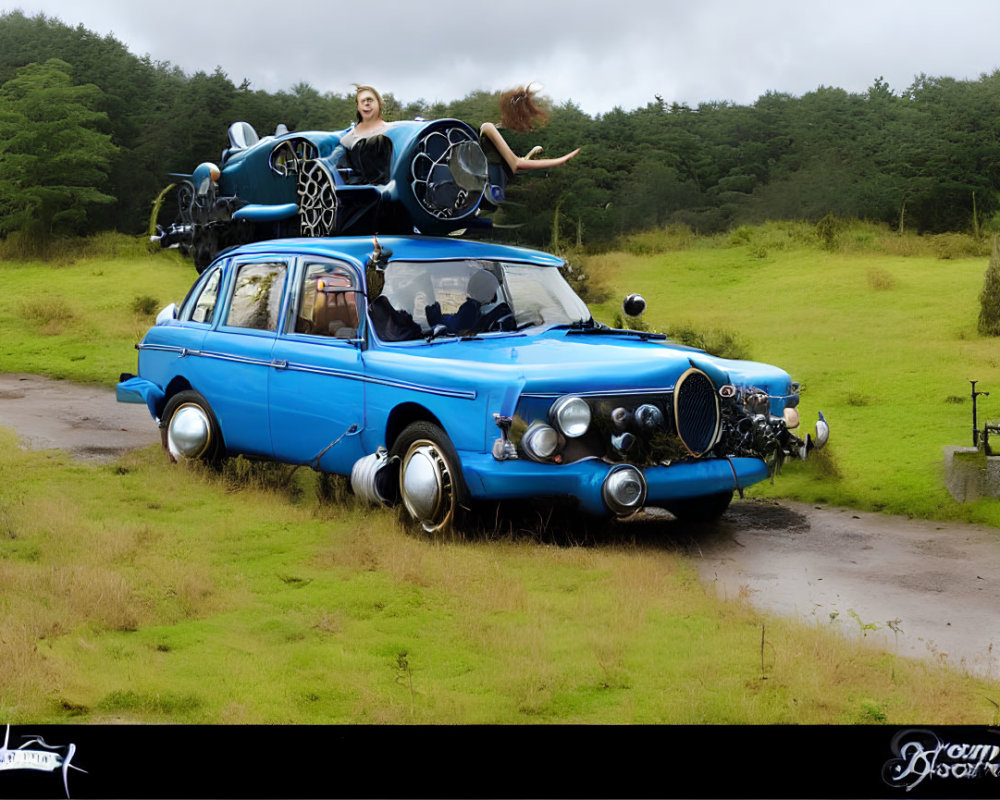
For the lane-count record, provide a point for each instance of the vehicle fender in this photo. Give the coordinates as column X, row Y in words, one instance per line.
column 257, row 212
column 133, row 389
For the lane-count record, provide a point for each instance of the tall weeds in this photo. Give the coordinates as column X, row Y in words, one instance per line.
column 989, row 297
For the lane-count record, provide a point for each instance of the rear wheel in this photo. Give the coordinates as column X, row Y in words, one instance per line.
column 189, row 428
column 700, row 509
column 430, row 480
column 317, row 195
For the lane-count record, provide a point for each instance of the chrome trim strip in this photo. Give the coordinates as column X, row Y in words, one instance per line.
column 235, row 359
column 461, row 394
column 285, row 366
column 164, row 348
column 598, row 393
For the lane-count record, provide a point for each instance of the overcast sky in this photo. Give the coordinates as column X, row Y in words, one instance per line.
column 597, row 54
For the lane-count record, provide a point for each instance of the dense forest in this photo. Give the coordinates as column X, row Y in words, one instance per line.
column 89, row 133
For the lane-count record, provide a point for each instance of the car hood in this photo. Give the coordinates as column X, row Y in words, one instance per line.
column 559, row 362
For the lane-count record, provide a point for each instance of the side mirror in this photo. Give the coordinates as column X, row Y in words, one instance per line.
column 167, row 314
column 634, row 305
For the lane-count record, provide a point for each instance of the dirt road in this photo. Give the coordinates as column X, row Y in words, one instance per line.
column 83, row 420
column 919, row 588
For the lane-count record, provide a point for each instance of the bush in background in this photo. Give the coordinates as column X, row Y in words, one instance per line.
column 989, row 297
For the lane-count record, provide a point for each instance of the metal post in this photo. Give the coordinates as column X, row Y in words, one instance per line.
column 975, row 422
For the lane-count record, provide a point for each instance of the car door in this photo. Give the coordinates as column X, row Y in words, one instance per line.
column 317, row 390
column 172, row 351
column 237, row 353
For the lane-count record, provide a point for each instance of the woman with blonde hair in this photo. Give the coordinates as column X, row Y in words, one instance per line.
column 366, row 151
column 369, row 116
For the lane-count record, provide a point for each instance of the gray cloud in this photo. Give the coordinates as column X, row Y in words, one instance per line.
column 616, row 53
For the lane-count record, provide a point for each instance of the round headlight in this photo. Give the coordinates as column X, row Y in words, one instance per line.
column 649, row 417
column 624, row 490
column 620, row 418
column 571, row 415
column 622, row 442
column 540, row 441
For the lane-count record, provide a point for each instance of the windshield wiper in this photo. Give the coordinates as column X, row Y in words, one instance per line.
column 591, row 327
column 441, row 331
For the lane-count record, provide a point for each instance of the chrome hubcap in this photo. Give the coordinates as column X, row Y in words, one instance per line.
column 189, row 432
column 427, row 486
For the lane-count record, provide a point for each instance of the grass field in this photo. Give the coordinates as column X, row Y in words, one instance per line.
column 144, row 592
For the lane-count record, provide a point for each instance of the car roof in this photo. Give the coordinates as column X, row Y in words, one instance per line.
column 404, row 248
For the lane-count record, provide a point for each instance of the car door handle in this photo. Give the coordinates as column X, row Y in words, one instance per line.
column 279, row 364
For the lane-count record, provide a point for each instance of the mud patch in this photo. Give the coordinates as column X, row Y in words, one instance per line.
column 765, row 515
column 85, row 421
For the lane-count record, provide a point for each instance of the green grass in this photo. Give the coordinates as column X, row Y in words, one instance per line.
column 144, row 592
column 157, row 593
column 80, row 319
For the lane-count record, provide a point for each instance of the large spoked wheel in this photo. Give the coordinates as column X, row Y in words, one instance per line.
column 700, row 509
column 430, row 480
column 317, row 195
column 189, row 429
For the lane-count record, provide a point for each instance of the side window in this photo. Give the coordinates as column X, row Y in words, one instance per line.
column 208, row 297
column 327, row 302
column 257, row 296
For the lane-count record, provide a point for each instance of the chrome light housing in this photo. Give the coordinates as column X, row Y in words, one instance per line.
column 624, row 490
column 649, row 417
column 540, row 442
column 571, row 416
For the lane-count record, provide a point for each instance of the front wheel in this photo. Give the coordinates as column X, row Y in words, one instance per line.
column 700, row 509
column 189, row 428
column 430, row 479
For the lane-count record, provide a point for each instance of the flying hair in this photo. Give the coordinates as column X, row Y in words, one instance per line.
column 519, row 110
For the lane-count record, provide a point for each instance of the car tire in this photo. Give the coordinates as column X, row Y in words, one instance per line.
column 190, row 430
column 430, row 478
column 700, row 509
column 316, row 192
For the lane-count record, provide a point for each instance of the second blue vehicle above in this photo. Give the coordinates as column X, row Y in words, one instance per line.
column 440, row 373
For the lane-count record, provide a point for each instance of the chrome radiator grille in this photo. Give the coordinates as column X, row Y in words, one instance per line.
column 696, row 412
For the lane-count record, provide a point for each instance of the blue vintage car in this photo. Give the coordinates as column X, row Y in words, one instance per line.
column 429, row 176
column 440, row 372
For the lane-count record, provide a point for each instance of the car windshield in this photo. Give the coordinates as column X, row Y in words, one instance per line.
column 470, row 297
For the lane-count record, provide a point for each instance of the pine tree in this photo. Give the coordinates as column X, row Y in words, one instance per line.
column 53, row 154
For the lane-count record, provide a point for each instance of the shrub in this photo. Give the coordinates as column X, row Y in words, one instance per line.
column 958, row 245
column 827, row 230
column 880, row 279
column 145, row 305
column 989, row 297
column 660, row 240
column 722, row 343
column 45, row 311
column 578, row 276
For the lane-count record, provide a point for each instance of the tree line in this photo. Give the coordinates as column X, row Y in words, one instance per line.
column 89, row 133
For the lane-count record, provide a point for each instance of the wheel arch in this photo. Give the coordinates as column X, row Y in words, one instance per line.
column 405, row 414
column 178, row 384
column 181, row 384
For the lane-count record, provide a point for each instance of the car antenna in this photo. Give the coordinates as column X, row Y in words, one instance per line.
column 379, row 257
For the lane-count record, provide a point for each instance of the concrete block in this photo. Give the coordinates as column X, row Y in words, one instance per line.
column 970, row 474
